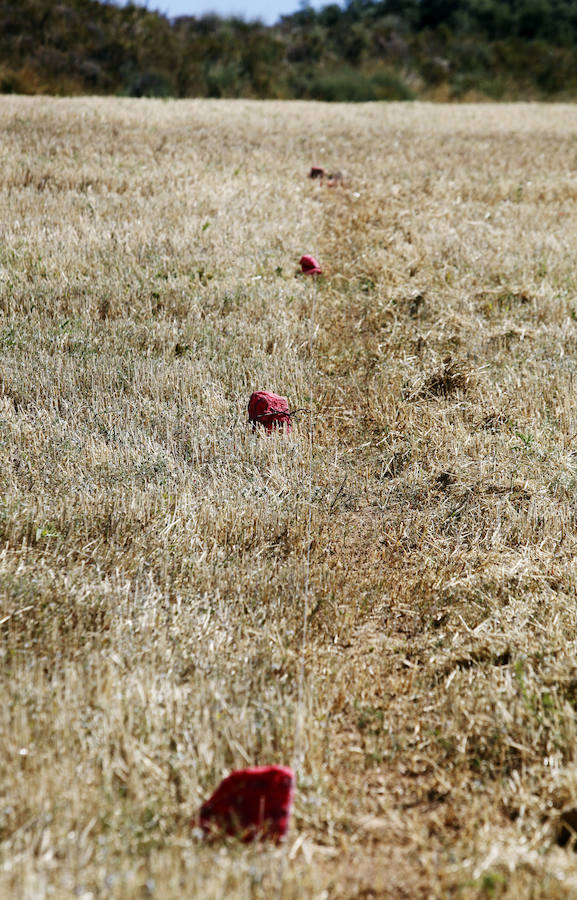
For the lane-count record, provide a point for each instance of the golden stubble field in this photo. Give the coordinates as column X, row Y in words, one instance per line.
column 152, row 549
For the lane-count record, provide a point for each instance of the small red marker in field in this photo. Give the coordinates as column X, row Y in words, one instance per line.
column 317, row 172
column 309, row 265
column 270, row 410
column 252, row 804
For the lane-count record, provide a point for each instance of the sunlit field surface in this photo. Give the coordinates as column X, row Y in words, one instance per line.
column 153, row 549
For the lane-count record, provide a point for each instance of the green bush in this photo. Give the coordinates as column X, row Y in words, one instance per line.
column 493, row 88
column 223, row 80
column 10, row 83
column 390, row 87
column 352, row 86
column 148, row 84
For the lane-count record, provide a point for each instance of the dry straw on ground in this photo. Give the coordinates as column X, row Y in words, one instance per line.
column 152, row 546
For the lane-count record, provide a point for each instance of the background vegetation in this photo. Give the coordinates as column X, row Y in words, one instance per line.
column 366, row 50
column 152, row 547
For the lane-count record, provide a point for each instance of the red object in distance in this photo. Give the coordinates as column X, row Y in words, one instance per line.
column 251, row 804
column 269, row 410
column 317, row 172
column 309, row 265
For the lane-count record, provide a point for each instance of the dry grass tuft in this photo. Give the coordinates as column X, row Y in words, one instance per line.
column 152, row 548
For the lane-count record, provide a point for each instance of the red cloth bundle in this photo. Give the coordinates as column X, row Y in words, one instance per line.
column 251, row 804
column 269, row 410
column 309, row 265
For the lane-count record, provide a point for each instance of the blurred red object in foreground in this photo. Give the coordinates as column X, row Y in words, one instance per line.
column 317, row 172
column 251, row 804
column 269, row 410
column 309, row 265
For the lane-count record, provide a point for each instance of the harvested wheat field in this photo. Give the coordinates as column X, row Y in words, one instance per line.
column 153, row 548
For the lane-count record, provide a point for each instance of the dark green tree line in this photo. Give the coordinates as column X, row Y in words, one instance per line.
column 364, row 50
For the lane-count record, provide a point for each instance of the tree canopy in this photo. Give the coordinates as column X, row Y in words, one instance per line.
column 363, row 50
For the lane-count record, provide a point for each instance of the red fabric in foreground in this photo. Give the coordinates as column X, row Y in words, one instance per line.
column 269, row 410
column 251, row 804
column 309, row 265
